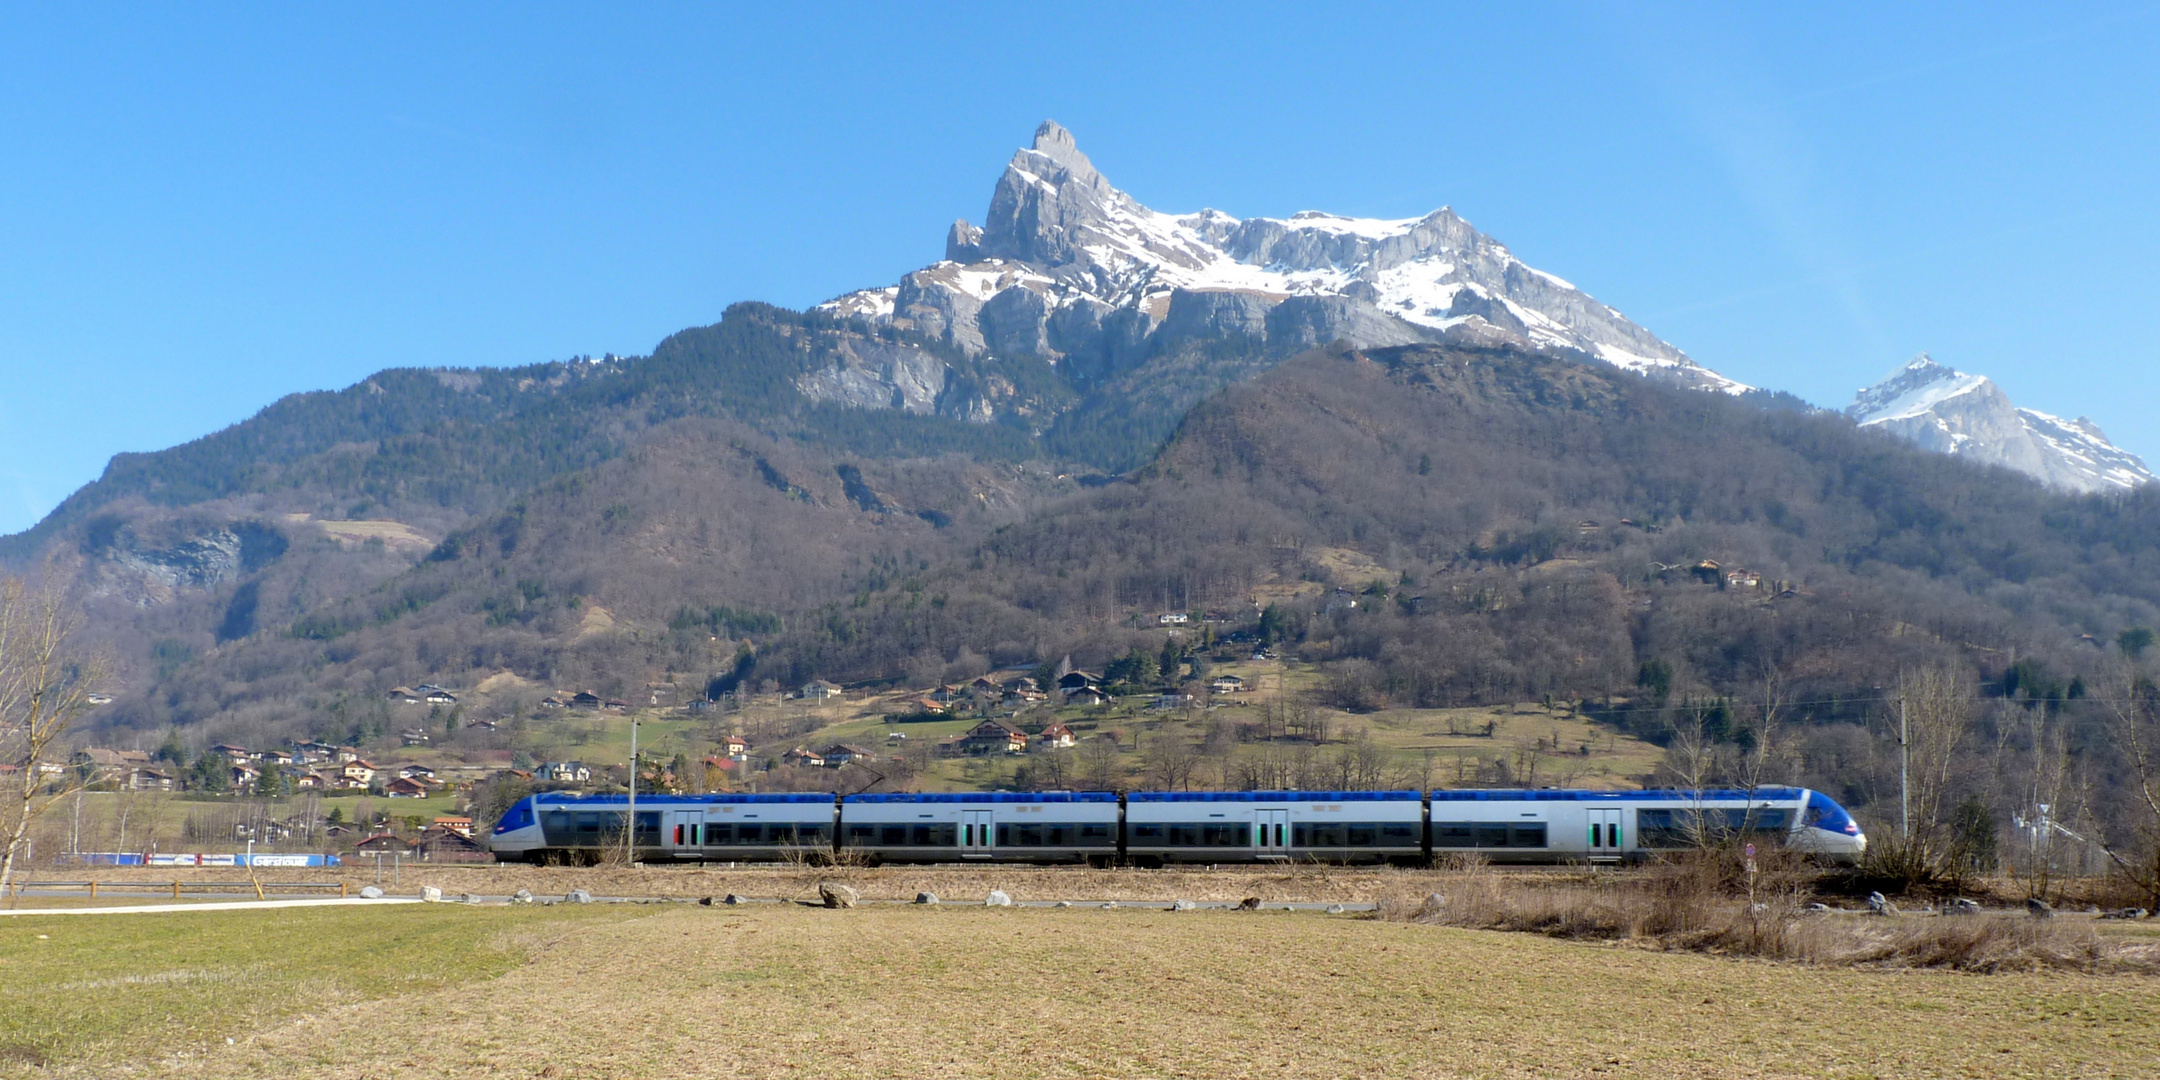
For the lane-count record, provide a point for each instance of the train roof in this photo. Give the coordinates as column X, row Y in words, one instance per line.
column 1761, row 794
column 612, row 798
column 987, row 797
column 1272, row 796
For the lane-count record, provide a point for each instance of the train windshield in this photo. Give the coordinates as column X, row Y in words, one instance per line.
column 1824, row 813
column 517, row 817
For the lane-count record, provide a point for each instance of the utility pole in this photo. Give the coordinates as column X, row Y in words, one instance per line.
column 1904, row 765
column 630, row 823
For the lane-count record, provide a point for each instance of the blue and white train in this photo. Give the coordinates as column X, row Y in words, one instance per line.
column 1158, row 828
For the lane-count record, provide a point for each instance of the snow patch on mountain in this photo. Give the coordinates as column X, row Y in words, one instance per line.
column 1104, row 272
column 1943, row 409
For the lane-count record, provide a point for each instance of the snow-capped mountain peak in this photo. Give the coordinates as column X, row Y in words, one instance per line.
column 1946, row 410
column 1067, row 266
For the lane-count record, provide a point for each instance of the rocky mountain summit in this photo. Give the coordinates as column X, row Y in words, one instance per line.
column 1069, row 269
column 1952, row 412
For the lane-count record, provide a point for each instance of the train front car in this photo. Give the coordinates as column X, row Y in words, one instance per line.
column 516, row 836
column 1828, row 830
column 567, row 828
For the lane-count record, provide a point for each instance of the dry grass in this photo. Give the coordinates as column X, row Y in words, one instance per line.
column 973, row 992
column 1692, row 906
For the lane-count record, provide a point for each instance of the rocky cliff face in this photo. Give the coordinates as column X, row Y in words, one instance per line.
column 1069, row 269
column 1951, row 412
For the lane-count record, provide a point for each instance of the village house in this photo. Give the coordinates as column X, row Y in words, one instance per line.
column 405, row 695
column 803, row 758
column 460, row 825
column 820, row 690
column 441, row 844
column 586, row 699
column 383, row 844
column 993, row 737
column 405, row 787
column 144, row 778
column 245, row 776
column 436, row 695
column 1085, row 695
column 551, row 702
column 1054, row 737
column 565, row 772
column 315, row 750
column 1172, row 618
column 413, row 737
column 110, row 765
column 236, row 754
column 615, row 705
column 1227, row 684
column 416, row 772
column 1074, row 680
column 735, row 746
column 839, row 754
column 1172, row 699
column 944, row 695
column 357, row 769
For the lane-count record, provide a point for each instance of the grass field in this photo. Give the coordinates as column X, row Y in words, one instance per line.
column 970, row 992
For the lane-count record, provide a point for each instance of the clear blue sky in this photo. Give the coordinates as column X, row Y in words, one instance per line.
column 203, row 208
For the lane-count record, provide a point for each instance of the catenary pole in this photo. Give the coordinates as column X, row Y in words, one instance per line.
column 1904, row 769
column 630, row 823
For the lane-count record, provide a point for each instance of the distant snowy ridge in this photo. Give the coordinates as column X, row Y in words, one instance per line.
column 1946, row 410
column 1071, row 269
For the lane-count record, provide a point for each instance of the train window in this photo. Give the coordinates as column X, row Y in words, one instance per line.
column 1223, row 835
column 892, row 835
column 1182, row 835
column 1139, row 833
column 1664, row 828
column 1095, row 833
column 1318, row 834
column 747, row 833
column 945, row 835
column 1480, row 834
column 1363, row 835
column 719, row 832
column 861, row 835
column 1057, row 834
column 1399, row 834
column 810, row 834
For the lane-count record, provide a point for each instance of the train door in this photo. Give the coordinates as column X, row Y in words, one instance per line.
column 1605, row 833
column 1271, row 833
column 683, row 831
column 976, row 837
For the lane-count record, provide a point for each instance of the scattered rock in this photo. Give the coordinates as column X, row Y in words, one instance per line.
column 2125, row 913
column 1336, row 909
column 1818, row 907
column 1062, row 903
column 371, row 892
column 836, row 895
column 472, row 898
column 706, row 901
column 577, row 896
column 1962, row 906
column 997, row 898
column 429, row 894
column 1109, row 905
column 1250, row 903
column 522, row 896
column 2038, row 908
column 734, row 899
column 926, row 898
column 1182, row 905
column 1878, row 904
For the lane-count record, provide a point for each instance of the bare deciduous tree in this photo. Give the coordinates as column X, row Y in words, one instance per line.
column 43, row 689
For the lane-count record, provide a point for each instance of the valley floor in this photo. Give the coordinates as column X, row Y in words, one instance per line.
column 965, row 991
